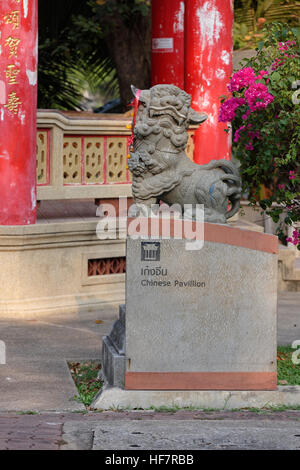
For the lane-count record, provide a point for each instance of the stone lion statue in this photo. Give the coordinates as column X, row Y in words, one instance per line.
column 161, row 171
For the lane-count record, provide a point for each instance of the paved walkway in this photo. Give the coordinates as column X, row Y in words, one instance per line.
column 182, row 430
column 288, row 317
column 36, row 376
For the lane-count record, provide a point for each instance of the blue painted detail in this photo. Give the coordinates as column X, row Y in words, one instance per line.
column 211, row 190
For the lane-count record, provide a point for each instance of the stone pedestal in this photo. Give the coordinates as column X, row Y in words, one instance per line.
column 201, row 319
column 45, row 268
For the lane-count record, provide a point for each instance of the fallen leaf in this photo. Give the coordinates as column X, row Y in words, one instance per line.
column 280, row 358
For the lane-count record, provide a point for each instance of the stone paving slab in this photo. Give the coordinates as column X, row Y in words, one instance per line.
column 37, row 385
column 197, row 435
column 148, row 429
column 184, row 430
column 36, row 376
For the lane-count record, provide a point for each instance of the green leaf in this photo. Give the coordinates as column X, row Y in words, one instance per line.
column 260, row 45
column 276, row 76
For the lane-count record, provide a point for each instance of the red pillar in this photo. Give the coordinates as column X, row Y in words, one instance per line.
column 208, row 66
column 18, row 96
column 168, row 42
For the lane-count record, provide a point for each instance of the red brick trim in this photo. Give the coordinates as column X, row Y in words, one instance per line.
column 201, row 381
column 216, row 233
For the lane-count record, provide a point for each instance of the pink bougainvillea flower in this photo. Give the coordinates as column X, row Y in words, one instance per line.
column 283, row 47
column 254, row 135
column 244, row 78
column 291, row 206
column 258, row 96
column 261, row 74
column 295, row 239
column 237, row 134
column 281, row 186
column 292, row 175
column 278, row 63
column 228, row 108
column 241, row 79
column 246, row 115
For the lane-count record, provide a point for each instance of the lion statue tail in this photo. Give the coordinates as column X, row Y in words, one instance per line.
column 232, row 180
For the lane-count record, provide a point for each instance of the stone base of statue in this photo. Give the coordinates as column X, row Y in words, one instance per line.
column 113, row 353
column 200, row 315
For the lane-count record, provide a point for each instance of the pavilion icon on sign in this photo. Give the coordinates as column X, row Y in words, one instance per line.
column 150, row 251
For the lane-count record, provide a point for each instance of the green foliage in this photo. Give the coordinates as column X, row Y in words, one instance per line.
column 251, row 15
column 125, row 9
column 75, row 54
column 72, row 55
column 85, row 376
column 55, row 90
column 241, row 36
column 274, row 160
column 287, row 372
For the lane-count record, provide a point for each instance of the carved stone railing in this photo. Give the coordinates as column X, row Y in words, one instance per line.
column 84, row 155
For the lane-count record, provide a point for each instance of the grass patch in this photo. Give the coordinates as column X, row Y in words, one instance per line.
column 85, row 376
column 287, row 372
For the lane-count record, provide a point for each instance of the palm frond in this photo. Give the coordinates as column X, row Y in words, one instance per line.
column 70, row 59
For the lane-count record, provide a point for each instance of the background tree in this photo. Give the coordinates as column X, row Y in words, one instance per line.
column 97, row 44
column 126, row 28
column 62, row 47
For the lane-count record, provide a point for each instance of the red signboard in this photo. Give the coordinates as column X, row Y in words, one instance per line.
column 18, row 95
column 168, row 42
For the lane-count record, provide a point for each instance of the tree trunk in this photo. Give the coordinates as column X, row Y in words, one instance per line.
column 130, row 48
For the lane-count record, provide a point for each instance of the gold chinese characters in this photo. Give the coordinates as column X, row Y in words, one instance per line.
column 13, row 18
column 11, row 73
column 13, row 102
column 12, row 44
